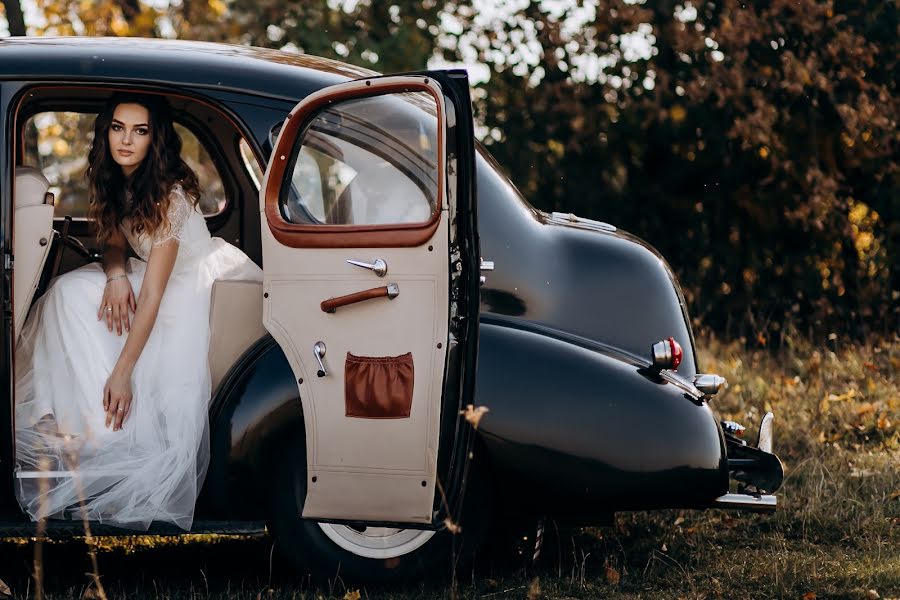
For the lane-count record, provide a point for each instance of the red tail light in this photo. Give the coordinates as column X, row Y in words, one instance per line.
column 666, row 354
column 677, row 353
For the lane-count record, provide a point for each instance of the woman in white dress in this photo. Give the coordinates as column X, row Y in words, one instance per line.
column 112, row 379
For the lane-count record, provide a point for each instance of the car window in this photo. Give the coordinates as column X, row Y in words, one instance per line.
column 250, row 163
column 368, row 161
column 58, row 143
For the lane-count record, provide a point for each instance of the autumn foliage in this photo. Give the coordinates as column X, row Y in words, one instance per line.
column 754, row 143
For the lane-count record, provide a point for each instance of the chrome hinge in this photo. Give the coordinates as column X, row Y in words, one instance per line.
column 7, row 261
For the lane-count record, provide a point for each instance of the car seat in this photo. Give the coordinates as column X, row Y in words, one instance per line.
column 235, row 323
column 32, row 237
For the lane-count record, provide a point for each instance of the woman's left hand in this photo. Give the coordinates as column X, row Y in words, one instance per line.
column 117, row 399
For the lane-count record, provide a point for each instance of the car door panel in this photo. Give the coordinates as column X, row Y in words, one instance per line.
column 387, row 155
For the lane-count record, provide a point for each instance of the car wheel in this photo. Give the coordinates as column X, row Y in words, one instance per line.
column 365, row 554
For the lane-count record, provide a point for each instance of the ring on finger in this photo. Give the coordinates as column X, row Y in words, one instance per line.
column 120, row 409
column 109, row 309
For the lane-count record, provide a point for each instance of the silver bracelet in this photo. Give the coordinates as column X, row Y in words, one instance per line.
column 108, row 279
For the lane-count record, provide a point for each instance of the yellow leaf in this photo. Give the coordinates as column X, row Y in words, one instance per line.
column 848, row 395
column 474, row 413
column 865, row 408
column 612, row 575
column 352, row 595
column 218, row 7
column 119, row 26
column 61, row 148
column 534, row 589
column 451, row 526
column 556, row 148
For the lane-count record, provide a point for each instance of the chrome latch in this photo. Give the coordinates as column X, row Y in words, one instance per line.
column 319, row 351
column 379, row 267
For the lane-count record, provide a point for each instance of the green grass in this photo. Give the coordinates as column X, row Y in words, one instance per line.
column 836, row 533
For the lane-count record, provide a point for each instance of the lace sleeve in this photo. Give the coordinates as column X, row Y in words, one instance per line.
column 180, row 208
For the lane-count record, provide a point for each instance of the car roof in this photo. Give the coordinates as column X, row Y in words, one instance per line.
column 245, row 69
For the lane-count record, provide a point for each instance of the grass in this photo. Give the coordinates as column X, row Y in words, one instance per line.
column 836, row 534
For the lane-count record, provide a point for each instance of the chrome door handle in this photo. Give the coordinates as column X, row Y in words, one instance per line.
column 319, row 351
column 389, row 291
column 379, row 267
column 486, row 265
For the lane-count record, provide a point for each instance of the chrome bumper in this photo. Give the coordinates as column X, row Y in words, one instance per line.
column 766, row 503
column 758, row 469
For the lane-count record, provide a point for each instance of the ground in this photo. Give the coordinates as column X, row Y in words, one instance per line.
column 836, row 533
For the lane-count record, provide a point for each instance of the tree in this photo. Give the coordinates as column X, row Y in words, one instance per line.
column 388, row 36
column 14, row 16
column 753, row 142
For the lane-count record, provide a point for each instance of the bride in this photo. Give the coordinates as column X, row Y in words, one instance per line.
column 112, row 380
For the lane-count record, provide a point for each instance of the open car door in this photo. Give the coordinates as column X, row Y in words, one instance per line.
column 371, row 269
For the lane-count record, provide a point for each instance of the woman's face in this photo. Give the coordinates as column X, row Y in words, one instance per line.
column 129, row 136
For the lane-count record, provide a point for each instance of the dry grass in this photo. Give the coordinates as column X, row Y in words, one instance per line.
column 836, row 534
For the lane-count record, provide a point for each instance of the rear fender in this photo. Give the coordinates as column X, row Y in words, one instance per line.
column 573, row 428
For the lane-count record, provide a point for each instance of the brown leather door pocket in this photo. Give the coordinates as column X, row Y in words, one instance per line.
column 378, row 387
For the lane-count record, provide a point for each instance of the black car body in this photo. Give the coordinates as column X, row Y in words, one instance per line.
column 581, row 422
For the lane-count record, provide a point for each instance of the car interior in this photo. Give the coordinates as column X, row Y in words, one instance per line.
column 51, row 234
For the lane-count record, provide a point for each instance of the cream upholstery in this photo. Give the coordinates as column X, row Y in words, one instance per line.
column 32, row 235
column 235, row 322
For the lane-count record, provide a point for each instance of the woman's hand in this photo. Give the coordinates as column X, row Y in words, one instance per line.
column 117, row 398
column 118, row 298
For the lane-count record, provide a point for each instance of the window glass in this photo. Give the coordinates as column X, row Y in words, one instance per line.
column 368, row 161
column 57, row 143
column 212, row 191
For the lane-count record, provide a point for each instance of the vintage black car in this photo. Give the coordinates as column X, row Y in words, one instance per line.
column 356, row 193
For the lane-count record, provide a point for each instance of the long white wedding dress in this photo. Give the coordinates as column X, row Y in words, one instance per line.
column 151, row 469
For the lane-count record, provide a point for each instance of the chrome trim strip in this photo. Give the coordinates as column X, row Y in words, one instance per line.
column 765, row 503
column 612, row 351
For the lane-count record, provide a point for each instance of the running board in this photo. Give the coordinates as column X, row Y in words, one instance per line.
column 766, row 503
column 62, row 529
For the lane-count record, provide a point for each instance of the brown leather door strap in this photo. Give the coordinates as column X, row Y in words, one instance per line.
column 391, row 291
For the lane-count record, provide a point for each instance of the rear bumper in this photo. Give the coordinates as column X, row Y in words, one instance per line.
column 757, row 470
column 765, row 503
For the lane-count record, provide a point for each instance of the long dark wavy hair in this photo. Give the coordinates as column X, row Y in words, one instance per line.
column 152, row 181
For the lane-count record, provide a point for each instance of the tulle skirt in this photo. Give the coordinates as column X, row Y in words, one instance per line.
column 68, row 463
